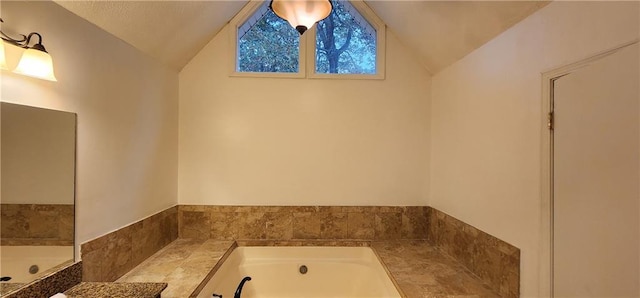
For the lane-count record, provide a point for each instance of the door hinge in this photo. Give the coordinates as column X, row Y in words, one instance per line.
column 550, row 120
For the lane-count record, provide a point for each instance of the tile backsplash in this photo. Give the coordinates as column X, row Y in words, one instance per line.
column 302, row 222
column 109, row 257
column 36, row 224
column 496, row 262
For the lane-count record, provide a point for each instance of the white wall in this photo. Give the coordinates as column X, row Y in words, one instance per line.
column 487, row 120
column 127, row 115
column 270, row 141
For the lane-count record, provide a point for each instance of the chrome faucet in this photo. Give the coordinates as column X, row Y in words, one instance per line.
column 239, row 289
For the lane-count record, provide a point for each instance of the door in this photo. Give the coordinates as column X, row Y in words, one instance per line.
column 596, row 178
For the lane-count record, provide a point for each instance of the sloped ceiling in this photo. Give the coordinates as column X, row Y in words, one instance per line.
column 438, row 32
column 170, row 31
column 442, row 32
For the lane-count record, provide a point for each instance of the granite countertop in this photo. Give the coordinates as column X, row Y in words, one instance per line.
column 6, row 287
column 116, row 290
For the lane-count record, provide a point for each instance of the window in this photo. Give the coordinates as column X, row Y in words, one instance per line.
column 345, row 42
column 267, row 43
column 348, row 43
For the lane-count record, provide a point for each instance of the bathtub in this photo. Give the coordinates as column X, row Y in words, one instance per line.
column 276, row 272
column 15, row 261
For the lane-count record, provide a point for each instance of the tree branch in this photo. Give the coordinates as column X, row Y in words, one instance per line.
column 347, row 42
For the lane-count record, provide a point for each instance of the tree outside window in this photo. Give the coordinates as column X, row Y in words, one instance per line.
column 345, row 43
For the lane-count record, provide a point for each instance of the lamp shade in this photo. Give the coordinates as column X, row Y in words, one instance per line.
column 302, row 14
column 3, row 59
column 37, row 64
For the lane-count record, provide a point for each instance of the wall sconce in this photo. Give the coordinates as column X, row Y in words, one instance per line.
column 302, row 14
column 35, row 61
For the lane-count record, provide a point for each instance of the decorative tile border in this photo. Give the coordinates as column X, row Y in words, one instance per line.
column 302, row 222
column 109, row 257
column 496, row 262
column 52, row 284
column 36, row 224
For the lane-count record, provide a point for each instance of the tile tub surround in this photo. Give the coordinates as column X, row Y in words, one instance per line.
column 49, row 285
column 422, row 270
column 109, row 257
column 182, row 265
column 494, row 261
column 36, row 224
column 419, row 269
column 303, row 222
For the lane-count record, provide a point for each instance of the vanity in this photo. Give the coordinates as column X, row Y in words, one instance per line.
column 116, row 290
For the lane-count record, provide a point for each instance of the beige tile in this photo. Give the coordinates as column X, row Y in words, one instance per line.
column 496, row 262
column 36, row 224
column 423, row 271
column 333, row 225
column 414, row 223
column 360, row 225
column 388, row 225
column 117, row 255
column 182, row 264
column 279, row 225
column 253, row 225
column 111, row 256
column 92, row 265
column 195, row 224
column 141, row 246
column 306, row 225
column 225, row 225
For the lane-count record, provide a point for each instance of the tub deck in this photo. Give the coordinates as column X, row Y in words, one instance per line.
column 417, row 267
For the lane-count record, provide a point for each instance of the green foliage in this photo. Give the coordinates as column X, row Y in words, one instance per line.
column 271, row 45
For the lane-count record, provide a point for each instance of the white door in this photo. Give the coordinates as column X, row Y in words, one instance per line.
column 596, row 182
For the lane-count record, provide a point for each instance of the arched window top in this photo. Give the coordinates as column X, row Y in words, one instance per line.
column 348, row 43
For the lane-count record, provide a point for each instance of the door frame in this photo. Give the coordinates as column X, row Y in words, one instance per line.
column 546, row 173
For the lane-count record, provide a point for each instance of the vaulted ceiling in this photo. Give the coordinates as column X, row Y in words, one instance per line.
column 437, row 32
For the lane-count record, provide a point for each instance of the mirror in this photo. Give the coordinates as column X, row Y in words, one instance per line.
column 37, row 193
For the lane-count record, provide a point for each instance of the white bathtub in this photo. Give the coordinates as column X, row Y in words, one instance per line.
column 275, row 272
column 15, row 261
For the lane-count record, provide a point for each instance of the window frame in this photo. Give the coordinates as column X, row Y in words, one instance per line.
column 245, row 13
column 375, row 22
column 307, row 58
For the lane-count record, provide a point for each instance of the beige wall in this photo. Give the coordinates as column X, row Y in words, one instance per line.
column 127, row 115
column 268, row 141
column 487, row 120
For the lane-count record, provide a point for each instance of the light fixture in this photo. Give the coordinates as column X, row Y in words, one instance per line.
column 35, row 61
column 302, row 14
column 3, row 59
